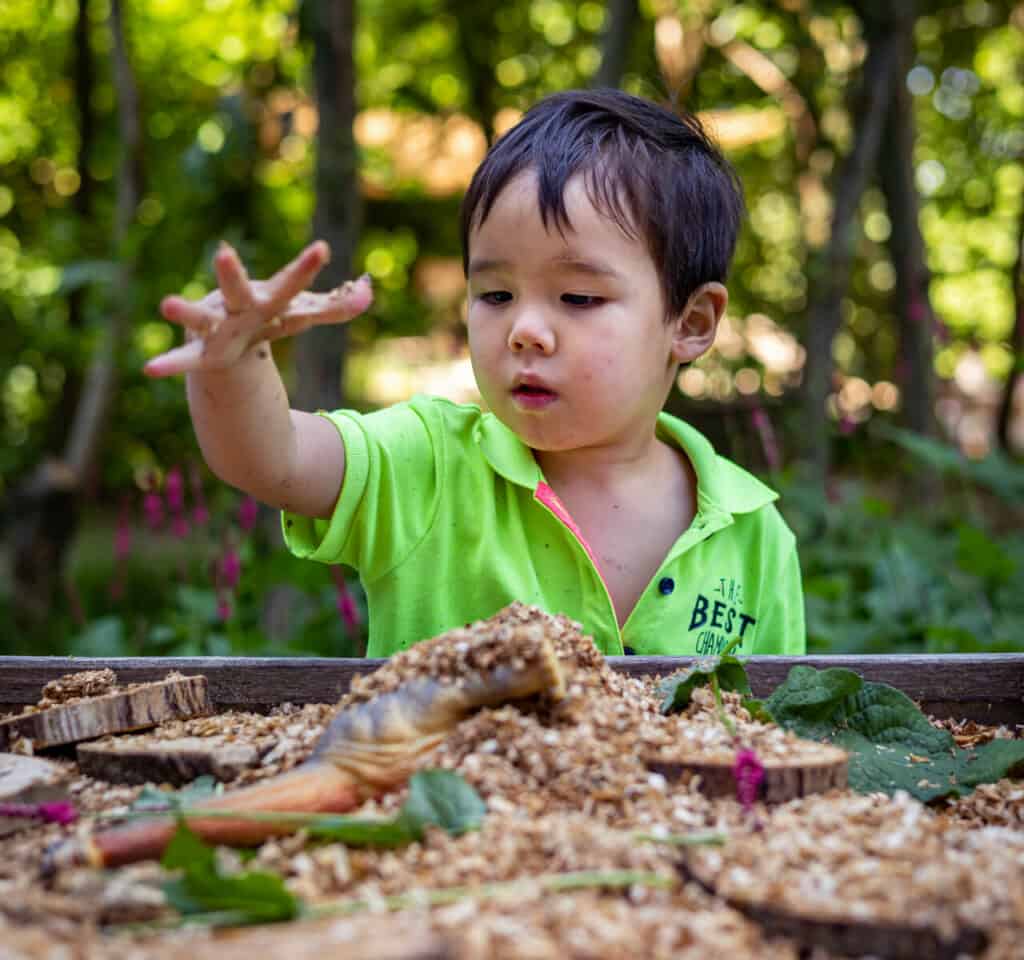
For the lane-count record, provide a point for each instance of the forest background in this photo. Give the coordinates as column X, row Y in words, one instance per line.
column 869, row 366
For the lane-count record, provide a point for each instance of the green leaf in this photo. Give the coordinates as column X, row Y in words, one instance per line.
column 442, row 798
column 202, row 892
column 154, row 800
column 355, row 832
column 892, row 745
column 677, row 689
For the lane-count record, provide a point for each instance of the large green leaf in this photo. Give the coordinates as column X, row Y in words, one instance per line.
column 892, row 745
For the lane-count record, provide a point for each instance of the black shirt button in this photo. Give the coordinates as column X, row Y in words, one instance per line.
column 628, row 651
column 666, row 585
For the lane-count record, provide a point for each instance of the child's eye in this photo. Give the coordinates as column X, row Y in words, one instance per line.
column 581, row 300
column 496, row 297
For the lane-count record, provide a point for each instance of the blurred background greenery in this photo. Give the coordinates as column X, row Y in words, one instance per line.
column 869, row 365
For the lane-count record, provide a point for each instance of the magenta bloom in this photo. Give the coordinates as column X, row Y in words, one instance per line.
column 230, row 568
column 345, row 602
column 174, row 490
column 748, row 773
column 153, row 507
column 224, row 607
column 200, row 514
column 60, row 812
column 766, row 433
column 248, row 511
column 179, row 526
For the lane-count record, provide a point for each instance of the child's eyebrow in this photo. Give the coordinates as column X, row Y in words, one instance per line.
column 578, row 264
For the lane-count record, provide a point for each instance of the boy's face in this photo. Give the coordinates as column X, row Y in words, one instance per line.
column 568, row 335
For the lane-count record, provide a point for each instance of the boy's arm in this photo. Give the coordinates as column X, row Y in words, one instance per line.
column 248, row 434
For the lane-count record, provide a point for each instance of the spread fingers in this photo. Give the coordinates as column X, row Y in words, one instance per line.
column 309, row 309
column 232, row 279
column 179, row 360
column 194, row 315
column 292, row 279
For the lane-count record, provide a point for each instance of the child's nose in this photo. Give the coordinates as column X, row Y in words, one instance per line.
column 530, row 331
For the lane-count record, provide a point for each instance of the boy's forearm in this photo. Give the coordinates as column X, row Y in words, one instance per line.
column 243, row 423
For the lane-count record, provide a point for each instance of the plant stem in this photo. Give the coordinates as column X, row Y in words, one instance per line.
column 554, row 882
column 720, row 706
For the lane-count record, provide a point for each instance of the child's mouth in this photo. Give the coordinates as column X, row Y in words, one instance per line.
column 533, row 397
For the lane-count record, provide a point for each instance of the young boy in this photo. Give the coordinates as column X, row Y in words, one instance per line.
column 596, row 238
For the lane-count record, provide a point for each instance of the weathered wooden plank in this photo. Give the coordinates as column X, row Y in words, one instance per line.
column 141, row 760
column 988, row 688
column 119, row 712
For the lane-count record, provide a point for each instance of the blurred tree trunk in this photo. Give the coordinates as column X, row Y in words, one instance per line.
column 833, row 274
column 320, row 352
column 1016, row 344
column 477, row 37
column 45, row 513
column 618, row 33
column 915, row 317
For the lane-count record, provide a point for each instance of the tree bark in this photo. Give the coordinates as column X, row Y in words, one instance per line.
column 618, row 33
column 824, row 316
column 914, row 313
column 476, row 44
column 1013, row 381
column 320, row 352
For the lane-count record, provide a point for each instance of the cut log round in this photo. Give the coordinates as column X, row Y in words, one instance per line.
column 120, row 712
column 783, row 781
column 143, row 760
column 851, row 937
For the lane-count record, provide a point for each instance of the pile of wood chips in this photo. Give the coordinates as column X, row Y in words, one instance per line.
column 569, row 787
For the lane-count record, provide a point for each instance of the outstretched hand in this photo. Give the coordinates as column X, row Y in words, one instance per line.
column 222, row 326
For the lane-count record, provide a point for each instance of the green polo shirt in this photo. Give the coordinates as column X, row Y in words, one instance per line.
column 445, row 514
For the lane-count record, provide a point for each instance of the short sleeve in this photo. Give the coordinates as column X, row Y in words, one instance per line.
column 389, row 495
column 781, row 629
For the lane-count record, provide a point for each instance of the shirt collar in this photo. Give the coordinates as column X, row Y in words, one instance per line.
column 721, row 484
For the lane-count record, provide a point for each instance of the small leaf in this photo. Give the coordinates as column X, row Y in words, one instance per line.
column 677, row 689
column 203, row 892
column 154, row 800
column 442, row 798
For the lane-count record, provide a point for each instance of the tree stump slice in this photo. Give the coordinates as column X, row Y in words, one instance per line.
column 140, row 760
column 120, row 712
column 782, row 781
column 851, row 937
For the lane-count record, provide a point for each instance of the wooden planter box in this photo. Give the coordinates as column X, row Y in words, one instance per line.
column 988, row 688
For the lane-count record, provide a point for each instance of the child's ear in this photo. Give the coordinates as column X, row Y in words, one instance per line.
column 694, row 329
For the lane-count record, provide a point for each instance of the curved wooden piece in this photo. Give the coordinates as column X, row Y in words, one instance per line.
column 851, row 937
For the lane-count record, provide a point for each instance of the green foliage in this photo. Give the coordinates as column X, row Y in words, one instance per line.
column 884, row 573
column 892, row 745
column 726, row 670
column 203, row 894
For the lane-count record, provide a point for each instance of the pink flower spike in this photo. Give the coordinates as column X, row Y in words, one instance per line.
column 748, row 772
column 153, row 507
column 248, row 511
column 174, row 489
column 230, row 568
column 346, row 603
column 224, row 607
column 766, row 434
column 179, row 526
column 200, row 515
column 61, row 812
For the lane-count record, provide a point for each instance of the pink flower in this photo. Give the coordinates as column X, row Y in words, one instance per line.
column 153, row 507
column 59, row 812
column 179, row 526
column 200, row 515
column 230, row 568
column 766, row 433
column 248, row 511
column 345, row 602
column 748, row 772
column 174, row 490
column 224, row 607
